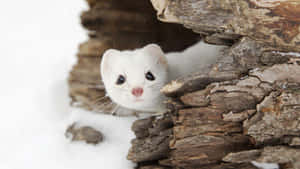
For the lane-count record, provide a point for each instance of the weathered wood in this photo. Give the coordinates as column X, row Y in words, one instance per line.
column 84, row 133
column 232, row 64
column 115, row 20
column 153, row 137
column 285, row 156
column 153, row 167
column 238, row 117
column 219, row 118
column 230, row 166
column 275, row 23
column 278, row 115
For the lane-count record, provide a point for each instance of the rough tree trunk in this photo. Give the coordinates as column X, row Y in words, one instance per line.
column 273, row 22
column 256, row 110
column 245, row 107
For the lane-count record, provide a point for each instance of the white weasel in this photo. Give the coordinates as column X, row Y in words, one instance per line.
column 133, row 79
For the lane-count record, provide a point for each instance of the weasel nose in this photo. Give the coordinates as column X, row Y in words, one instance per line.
column 137, row 92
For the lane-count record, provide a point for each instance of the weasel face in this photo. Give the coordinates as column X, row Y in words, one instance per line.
column 133, row 79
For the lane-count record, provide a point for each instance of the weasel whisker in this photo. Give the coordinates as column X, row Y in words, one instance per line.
column 114, row 111
column 155, row 85
column 100, row 99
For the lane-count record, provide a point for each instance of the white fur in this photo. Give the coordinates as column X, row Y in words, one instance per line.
column 192, row 59
column 133, row 65
column 265, row 165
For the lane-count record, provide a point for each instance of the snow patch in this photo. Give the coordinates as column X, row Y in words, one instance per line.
column 265, row 165
column 288, row 53
column 39, row 42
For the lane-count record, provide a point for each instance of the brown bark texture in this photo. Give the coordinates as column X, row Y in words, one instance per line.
column 244, row 108
column 241, row 109
column 276, row 22
column 83, row 133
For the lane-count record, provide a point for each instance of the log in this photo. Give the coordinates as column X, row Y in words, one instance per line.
column 153, row 137
column 285, row 156
column 278, row 115
column 233, row 64
column 259, row 108
column 275, row 23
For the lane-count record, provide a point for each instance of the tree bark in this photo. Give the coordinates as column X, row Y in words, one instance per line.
column 275, row 23
column 245, row 106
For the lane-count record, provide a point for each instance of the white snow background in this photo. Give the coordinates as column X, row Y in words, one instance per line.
column 38, row 44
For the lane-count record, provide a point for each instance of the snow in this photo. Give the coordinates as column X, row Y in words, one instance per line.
column 288, row 53
column 38, row 42
column 265, row 165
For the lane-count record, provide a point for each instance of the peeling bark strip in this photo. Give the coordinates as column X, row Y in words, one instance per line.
column 285, row 156
column 153, row 137
column 233, row 63
column 273, row 22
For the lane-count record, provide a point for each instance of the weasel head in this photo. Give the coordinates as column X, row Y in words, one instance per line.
column 133, row 79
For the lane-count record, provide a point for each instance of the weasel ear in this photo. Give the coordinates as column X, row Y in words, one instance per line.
column 155, row 50
column 108, row 58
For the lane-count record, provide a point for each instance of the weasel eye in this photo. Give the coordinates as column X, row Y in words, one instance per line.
column 150, row 76
column 121, row 80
